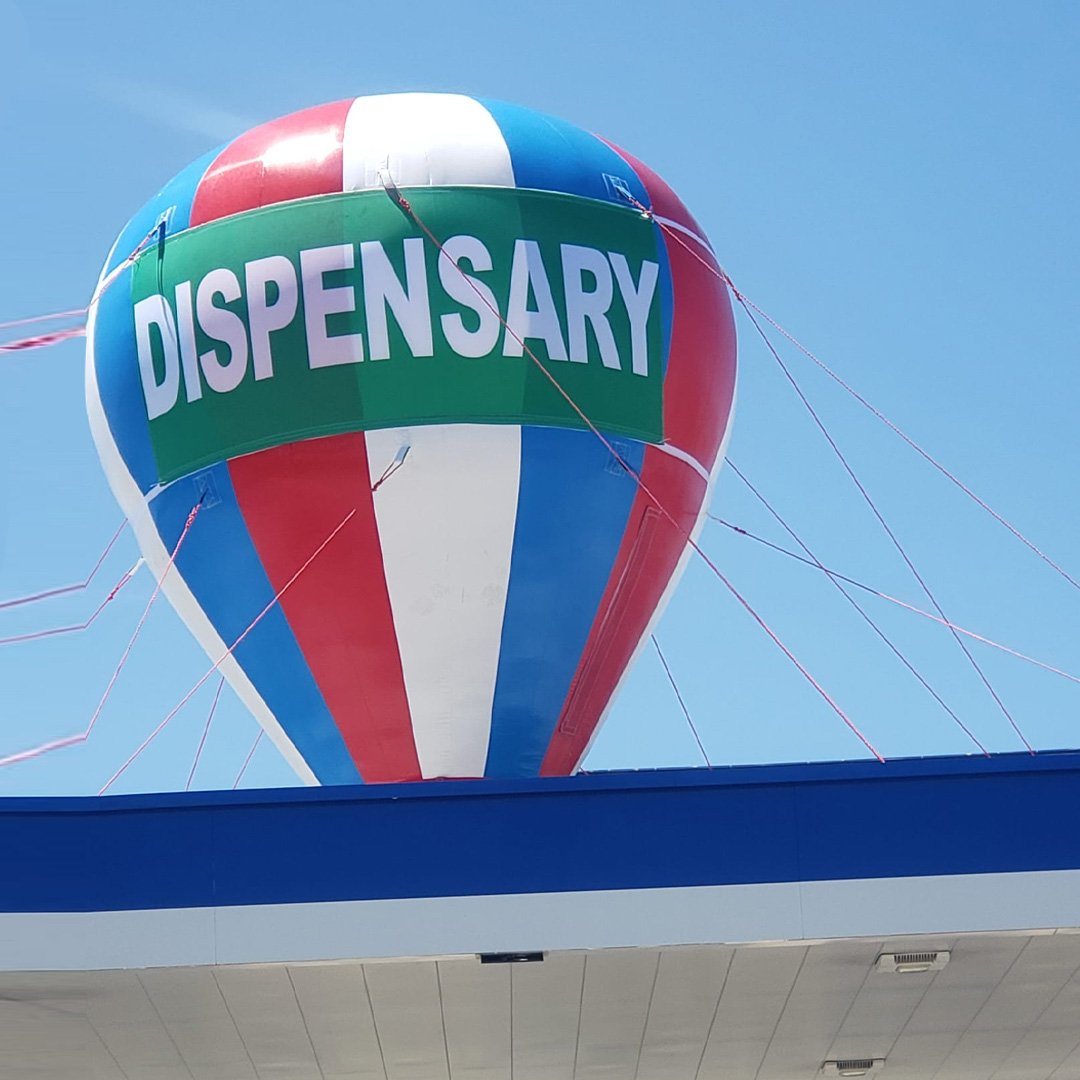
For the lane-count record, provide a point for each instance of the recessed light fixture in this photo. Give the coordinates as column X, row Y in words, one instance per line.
column 852, row 1066
column 910, row 963
column 511, row 957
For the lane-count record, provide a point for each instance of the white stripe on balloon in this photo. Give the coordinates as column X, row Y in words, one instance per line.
column 446, row 526
column 446, row 518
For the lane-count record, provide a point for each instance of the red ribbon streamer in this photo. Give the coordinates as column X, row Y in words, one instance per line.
column 43, row 340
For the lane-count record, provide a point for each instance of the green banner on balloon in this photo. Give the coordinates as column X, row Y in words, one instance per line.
column 338, row 314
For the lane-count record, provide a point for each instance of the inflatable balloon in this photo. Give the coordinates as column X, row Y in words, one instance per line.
column 278, row 339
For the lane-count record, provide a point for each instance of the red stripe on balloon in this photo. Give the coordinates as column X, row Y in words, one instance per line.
column 292, row 494
column 699, row 389
column 340, row 610
column 700, row 383
column 649, row 553
column 291, row 158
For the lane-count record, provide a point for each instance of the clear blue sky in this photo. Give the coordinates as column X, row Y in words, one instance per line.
column 896, row 182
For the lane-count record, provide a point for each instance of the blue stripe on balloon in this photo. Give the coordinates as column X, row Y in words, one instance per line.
column 173, row 201
column 115, row 360
column 667, row 294
column 574, row 500
column 549, row 154
column 222, row 568
column 116, row 367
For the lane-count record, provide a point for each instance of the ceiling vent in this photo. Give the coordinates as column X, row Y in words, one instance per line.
column 909, row 963
column 852, row 1066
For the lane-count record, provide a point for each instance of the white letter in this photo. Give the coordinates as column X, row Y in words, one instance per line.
column 223, row 325
column 468, row 291
column 160, row 397
column 189, row 356
column 523, row 322
column 409, row 305
column 638, row 304
column 591, row 305
column 264, row 318
column 319, row 301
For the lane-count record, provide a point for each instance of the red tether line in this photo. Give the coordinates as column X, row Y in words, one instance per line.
column 53, row 316
column 74, row 740
column 746, row 306
column 247, row 760
column 56, row 631
column 40, row 341
column 206, row 731
column 843, row 461
column 859, row 608
column 64, row 589
column 747, row 303
column 679, row 698
column 887, row 529
column 395, row 195
column 894, row 600
column 226, row 654
column 1030, row 545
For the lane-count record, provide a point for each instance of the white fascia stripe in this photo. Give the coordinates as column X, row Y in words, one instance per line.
column 676, row 577
column 446, row 522
column 421, row 140
column 770, row 912
column 136, row 508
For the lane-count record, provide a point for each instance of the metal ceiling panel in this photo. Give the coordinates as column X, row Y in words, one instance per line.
column 407, row 1007
column 130, row 1028
column 820, row 998
column 757, row 988
column 337, row 1013
column 546, row 1012
column 688, row 987
column 263, row 1005
column 1005, row 1007
column 476, row 1013
column 618, row 989
column 192, row 1008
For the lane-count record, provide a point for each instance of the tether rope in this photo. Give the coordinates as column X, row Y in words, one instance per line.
column 63, row 590
column 726, row 279
column 227, row 653
column 74, row 628
column 861, row 610
column 205, row 732
column 1007, row 649
column 52, row 316
column 81, row 737
column 679, row 698
column 247, row 760
column 895, row 540
column 406, row 207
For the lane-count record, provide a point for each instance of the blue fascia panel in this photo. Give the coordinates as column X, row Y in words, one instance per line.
column 666, row 828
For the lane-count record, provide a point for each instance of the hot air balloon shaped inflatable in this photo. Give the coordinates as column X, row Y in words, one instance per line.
column 277, row 339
